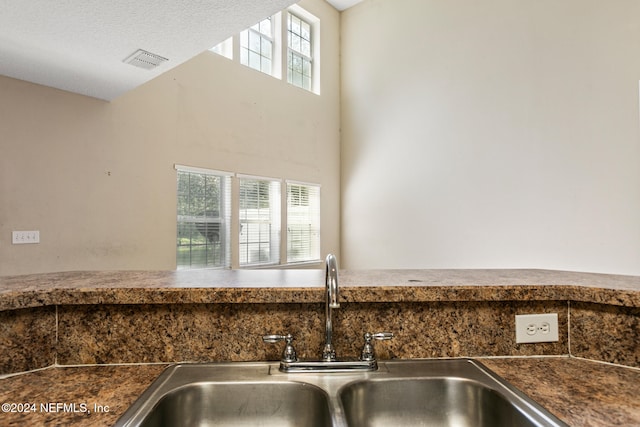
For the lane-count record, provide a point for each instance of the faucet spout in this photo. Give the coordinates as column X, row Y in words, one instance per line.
column 332, row 281
column 331, row 285
column 329, row 362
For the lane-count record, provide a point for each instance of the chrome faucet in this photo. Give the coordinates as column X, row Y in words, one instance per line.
column 289, row 360
column 331, row 302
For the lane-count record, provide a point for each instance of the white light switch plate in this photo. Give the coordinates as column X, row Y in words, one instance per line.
column 25, row 237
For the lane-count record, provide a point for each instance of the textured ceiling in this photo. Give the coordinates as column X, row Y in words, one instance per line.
column 79, row 45
column 343, row 4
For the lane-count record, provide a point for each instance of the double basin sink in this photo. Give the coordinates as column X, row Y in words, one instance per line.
column 451, row 392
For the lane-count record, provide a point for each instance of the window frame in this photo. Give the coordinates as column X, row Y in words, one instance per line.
column 225, row 48
column 313, row 215
column 274, row 222
column 292, row 52
column 271, row 38
column 190, row 220
column 280, row 47
column 281, row 218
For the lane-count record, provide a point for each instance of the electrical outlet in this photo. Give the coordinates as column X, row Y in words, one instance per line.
column 24, row 237
column 536, row 328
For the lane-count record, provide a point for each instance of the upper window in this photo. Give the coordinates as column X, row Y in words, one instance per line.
column 303, row 222
column 299, row 59
column 224, row 48
column 273, row 45
column 203, row 219
column 256, row 46
column 259, row 221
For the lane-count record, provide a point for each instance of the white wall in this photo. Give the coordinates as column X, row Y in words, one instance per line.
column 98, row 180
column 493, row 134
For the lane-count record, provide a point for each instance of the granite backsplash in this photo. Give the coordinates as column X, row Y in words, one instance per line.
column 469, row 315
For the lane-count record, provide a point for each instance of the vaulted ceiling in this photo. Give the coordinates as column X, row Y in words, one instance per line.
column 81, row 45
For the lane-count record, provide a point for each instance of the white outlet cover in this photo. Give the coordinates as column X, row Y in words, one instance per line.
column 25, row 237
column 532, row 328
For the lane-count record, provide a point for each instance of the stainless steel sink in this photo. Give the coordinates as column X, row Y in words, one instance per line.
column 227, row 394
column 432, row 402
column 247, row 404
column 452, row 392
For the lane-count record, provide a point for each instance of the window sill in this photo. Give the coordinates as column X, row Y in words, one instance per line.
column 301, row 264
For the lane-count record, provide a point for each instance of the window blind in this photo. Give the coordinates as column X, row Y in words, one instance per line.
column 259, row 211
column 203, row 219
column 303, row 222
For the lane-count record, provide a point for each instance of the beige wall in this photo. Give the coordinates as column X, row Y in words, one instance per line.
column 489, row 134
column 511, row 127
column 98, row 180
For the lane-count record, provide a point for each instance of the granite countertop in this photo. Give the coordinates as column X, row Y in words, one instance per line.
column 301, row 286
column 580, row 392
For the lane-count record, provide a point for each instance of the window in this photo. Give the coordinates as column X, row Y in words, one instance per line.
column 224, row 48
column 303, row 222
column 270, row 46
column 259, row 201
column 256, row 46
column 204, row 223
column 203, row 219
column 299, row 60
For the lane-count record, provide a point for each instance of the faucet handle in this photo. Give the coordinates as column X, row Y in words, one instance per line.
column 272, row 339
column 289, row 353
column 381, row 336
column 368, row 352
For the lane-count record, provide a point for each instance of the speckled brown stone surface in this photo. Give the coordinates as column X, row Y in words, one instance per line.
column 154, row 287
column 180, row 332
column 606, row 332
column 301, row 286
column 444, row 329
column 581, row 393
column 115, row 387
column 139, row 317
column 27, row 339
column 107, row 334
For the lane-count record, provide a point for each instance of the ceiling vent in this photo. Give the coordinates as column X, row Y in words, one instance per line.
column 143, row 59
